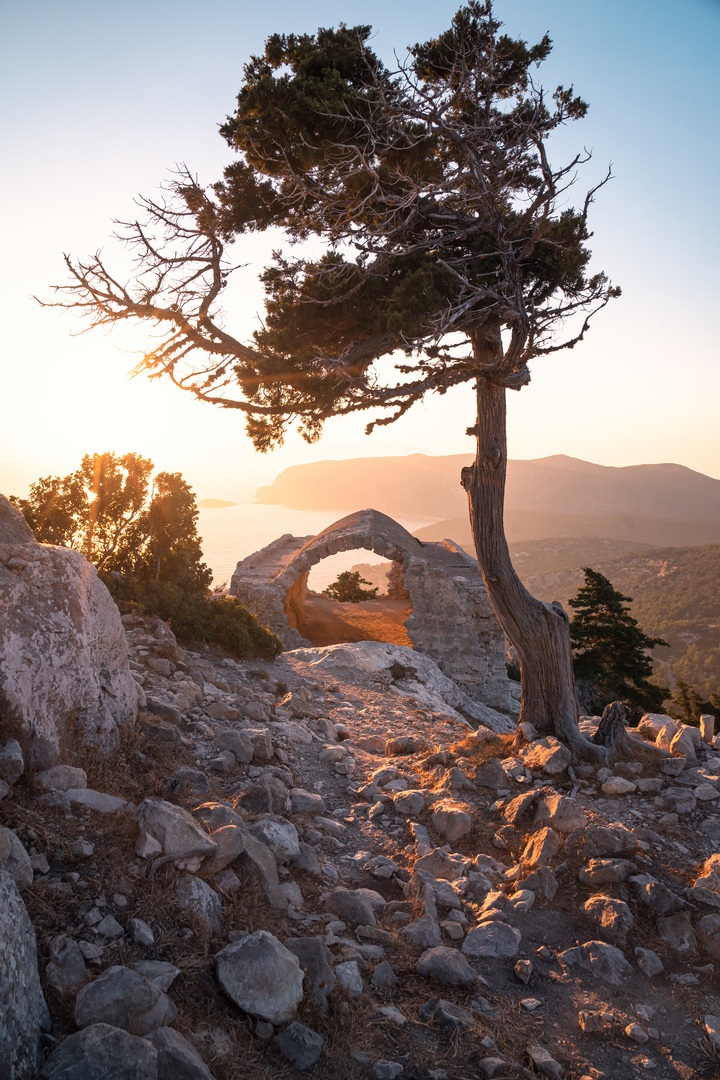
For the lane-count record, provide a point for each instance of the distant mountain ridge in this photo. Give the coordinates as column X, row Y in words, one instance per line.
column 524, row 526
column 423, row 486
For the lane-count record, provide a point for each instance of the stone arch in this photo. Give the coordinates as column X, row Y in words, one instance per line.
column 452, row 620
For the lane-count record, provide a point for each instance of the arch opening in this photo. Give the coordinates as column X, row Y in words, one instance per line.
column 324, row 621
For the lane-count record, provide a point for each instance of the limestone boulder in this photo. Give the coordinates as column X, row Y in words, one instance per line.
column 177, row 1059
column 259, row 864
column 446, row 1014
column 490, row 774
column 451, row 820
column 279, row 835
column 316, row 962
column 601, row 841
column 349, row 978
column 23, row 1012
column 648, row 961
column 606, row 871
column 446, row 965
column 603, row 961
column 169, row 831
column 61, row 778
column 541, row 848
column 351, row 906
column 124, row 999
column 653, row 894
column 709, row 930
column 12, row 762
column 230, row 841
column 301, row 1045
column 409, row 803
column 64, row 671
column 262, row 977
column 677, row 933
column 423, row 932
column 652, row 724
column 14, row 859
column 612, row 917
column 102, row 1052
column 423, row 679
column 667, row 733
column 268, row 795
column 200, row 901
column 442, row 863
column 560, row 813
column 66, row 973
column 492, row 939
column 237, row 742
column 547, row 755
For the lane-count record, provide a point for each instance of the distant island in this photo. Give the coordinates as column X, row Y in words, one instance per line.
column 214, row 504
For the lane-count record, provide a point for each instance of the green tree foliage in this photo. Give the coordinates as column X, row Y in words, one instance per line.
column 687, row 705
column 436, row 213
column 684, row 590
column 121, row 519
column 140, row 533
column 195, row 616
column 610, row 650
column 347, row 588
column 700, row 666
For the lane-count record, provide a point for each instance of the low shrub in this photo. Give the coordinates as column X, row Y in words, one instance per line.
column 194, row 617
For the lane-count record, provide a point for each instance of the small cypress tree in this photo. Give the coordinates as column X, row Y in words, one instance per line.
column 347, row 588
column 609, row 648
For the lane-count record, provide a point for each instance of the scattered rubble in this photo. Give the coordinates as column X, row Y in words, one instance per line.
column 293, row 877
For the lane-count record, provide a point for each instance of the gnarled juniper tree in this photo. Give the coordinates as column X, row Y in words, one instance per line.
column 448, row 247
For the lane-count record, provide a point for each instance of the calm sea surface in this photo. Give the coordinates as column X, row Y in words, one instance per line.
column 234, row 532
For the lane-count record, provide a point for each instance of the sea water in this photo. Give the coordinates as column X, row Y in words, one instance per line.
column 231, row 533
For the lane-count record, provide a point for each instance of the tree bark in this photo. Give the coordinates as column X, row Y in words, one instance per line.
column 539, row 631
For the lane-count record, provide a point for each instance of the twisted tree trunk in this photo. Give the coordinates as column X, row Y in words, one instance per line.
column 539, row 631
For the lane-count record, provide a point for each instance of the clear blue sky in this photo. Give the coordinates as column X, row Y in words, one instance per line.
column 100, row 100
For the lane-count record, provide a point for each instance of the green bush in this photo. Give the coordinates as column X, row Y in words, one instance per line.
column 194, row 617
column 347, row 588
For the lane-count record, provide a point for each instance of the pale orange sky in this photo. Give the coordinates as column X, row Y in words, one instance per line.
column 92, row 118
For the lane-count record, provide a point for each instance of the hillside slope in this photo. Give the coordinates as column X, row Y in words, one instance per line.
column 676, row 595
column 423, row 486
column 523, row 526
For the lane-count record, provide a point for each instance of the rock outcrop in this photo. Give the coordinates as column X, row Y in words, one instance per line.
column 64, row 673
column 23, row 1012
column 321, row 852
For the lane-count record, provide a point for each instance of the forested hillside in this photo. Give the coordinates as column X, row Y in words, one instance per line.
column 676, row 595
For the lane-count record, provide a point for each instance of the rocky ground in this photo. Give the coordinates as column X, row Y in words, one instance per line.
column 318, row 864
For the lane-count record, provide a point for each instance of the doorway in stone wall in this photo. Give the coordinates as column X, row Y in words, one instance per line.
column 324, row 621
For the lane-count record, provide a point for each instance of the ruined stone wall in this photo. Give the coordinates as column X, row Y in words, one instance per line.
column 453, row 623
column 452, row 620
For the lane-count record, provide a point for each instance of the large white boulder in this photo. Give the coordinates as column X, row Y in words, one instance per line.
column 423, row 680
column 64, row 672
column 23, row 1012
column 262, row 977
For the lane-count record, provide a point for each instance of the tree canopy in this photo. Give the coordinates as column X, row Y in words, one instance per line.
column 122, row 519
column 140, row 532
column 610, row 649
column 440, row 218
